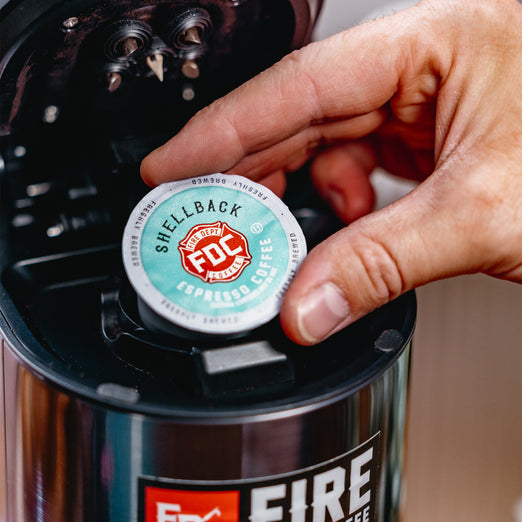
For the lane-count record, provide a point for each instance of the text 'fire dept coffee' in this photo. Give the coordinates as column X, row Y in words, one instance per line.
column 212, row 255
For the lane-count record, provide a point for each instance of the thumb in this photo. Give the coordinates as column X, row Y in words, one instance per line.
column 436, row 231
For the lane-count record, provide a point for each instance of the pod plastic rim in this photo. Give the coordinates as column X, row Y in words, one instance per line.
column 158, row 237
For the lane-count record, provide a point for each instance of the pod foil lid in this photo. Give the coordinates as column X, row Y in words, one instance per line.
column 213, row 254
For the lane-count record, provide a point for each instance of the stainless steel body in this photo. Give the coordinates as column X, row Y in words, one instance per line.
column 82, row 457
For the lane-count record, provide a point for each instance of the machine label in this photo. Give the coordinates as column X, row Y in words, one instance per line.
column 342, row 489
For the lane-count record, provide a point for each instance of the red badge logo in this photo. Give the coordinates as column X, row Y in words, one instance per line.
column 172, row 505
column 214, row 252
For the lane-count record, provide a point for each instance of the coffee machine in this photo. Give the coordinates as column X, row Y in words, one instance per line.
column 104, row 420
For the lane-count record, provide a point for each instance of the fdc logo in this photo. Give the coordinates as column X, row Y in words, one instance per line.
column 214, row 252
column 169, row 513
column 165, row 505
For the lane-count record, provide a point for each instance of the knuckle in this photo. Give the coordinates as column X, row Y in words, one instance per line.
column 299, row 76
column 380, row 269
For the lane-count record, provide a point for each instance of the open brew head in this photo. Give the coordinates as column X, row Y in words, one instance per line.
column 92, row 85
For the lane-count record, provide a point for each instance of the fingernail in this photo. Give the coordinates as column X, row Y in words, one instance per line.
column 322, row 313
column 336, row 200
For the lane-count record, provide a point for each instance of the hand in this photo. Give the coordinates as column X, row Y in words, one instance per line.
column 432, row 93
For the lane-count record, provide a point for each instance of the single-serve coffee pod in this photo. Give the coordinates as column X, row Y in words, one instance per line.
column 211, row 255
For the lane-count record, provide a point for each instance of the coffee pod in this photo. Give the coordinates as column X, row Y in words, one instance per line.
column 211, row 256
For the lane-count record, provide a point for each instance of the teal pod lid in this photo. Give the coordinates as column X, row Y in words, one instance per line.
column 212, row 255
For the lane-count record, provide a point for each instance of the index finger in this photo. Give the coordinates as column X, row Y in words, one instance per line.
column 347, row 75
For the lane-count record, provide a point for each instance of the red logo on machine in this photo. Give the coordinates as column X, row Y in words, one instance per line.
column 171, row 505
column 214, row 252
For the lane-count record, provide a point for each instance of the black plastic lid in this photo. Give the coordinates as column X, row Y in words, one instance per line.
column 118, row 362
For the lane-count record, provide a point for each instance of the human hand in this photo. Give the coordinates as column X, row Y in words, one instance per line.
column 433, row 93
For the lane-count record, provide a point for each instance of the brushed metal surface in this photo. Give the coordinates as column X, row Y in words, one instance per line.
column 72, row 459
